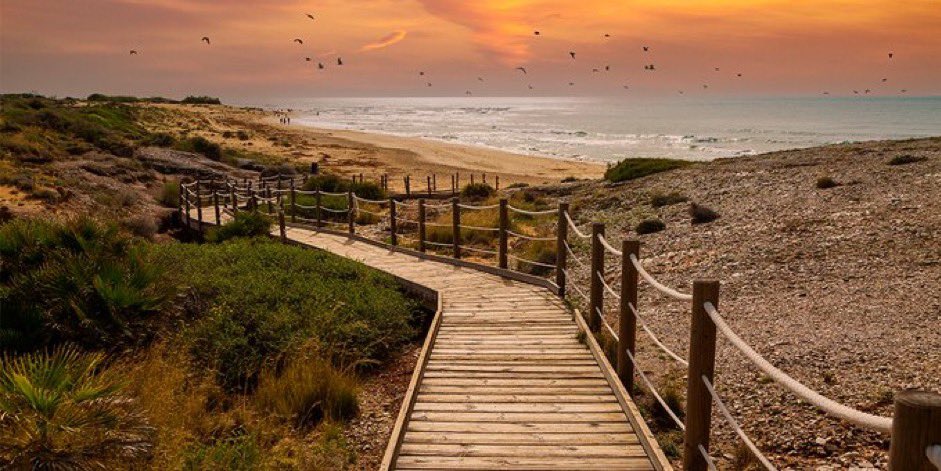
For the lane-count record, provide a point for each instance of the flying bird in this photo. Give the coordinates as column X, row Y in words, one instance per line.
column 339, row 61
column 855, row 92
column 480, row 79
column 826, row 93
column 521, row 69
column 646, row 48
column 884, row 80
column 649, row 67
column 903, row 90
column 310, row 16
column 133, row 52
column 420, row 73
column 468, row 93
column 594, row 70
column 607, row 35
column 530, row 87
column 890, row 55
column 717, row 69
column 607, row 68
column 867, row 91
column 572, row 53
column 429, row 84
column 320, row 65
column 298, row 40
column 738, row 74
column 704, row 86
column 206, row 39
column 307, row 59
column 535, row 33
column 625, row 87
column 571, row 83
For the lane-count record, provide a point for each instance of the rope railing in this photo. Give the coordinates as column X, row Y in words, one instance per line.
column 407, row 222
column 831, row 407
column 736, row 426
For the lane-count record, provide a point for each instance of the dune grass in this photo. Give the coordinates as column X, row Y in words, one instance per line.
column 634, row 168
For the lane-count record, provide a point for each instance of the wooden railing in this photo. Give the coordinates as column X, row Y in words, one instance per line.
column 915, row 428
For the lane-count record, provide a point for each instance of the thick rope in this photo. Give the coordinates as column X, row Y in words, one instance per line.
column 575, row 228
column 530, row 262
column 478, row 228
column 606, row 245
column 522, row 236
column 640, row 372
column 574, row 286
column 469, row 206
column 736, row 426
column 365, row 200
column 475, row 249
column 656, row 341
column 336, row 211
column 532, row 213
column 607, row 326
column 656, row 284
column 705, row 455
column 574, row 257
column 862, row 419
column 933, row 452
column 607, row 287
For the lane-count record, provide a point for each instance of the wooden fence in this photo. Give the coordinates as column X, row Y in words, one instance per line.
column 915, row 429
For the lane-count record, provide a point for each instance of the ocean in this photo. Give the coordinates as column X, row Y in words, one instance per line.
column 610, row 129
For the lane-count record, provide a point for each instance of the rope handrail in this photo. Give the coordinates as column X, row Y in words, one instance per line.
column 656, row 284
column 705, row 455
column 606, row 286
column 335, row 211
column 653, row 337
column 405, row 220
column 366, row 200
column 530, row 262
column 479, row 228
column 573, row 256
column 437, row 244
column 361, row 210
column 523, row 236
column 327, row 193
column 484, row 207
column 579, row 233
column 304, row 206
column 306, row 192
column 574, row 286
column 736, row 426
column 679, row 423
column 606, row 245
column 607, row 326
column 477, row 249
column 531, row 213
column 862, row 419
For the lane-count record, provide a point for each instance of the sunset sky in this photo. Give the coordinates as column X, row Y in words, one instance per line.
column 792, row 47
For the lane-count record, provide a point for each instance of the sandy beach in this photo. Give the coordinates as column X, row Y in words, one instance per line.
column 352, row 153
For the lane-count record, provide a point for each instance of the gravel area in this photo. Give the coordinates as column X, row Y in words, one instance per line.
column 839, row 287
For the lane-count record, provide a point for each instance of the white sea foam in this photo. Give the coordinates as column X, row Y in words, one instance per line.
column 607, row 130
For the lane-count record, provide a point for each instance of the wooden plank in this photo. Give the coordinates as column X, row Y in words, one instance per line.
column 530, row 463
column 554, row 398
column 578, row 417
column 517, row 407
column 528, row 438
column 520, row 427
column 599, row 390
column 528, row 451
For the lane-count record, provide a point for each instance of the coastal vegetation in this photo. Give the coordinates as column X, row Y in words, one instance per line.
column 240, row 354
column 634, row 168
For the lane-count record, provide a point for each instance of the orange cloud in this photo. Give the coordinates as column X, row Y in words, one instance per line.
column 384, row 41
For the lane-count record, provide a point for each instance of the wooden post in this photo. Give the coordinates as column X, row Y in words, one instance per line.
column 361, row 180
column 199, row 205
column 702, row 360
column 268, row 197
column 179, row 197
column 434, row 182
column 496, row 181
column 483, row 177
column 408, row 186
column 317, row 209
column 421, row 225
column 453, row 185
column 215, row 201
column 254, row 200
column 293, row 202
column 916, row 425
column 187, row 200
column 596, row 300
column 504, row 226
column 283, row 230
column 393, row 223
column 234, row 199
column 456, row 227
column 428, row 178
column 627, row 326
column 351, row 214
column 561, row 254
column 472, row 178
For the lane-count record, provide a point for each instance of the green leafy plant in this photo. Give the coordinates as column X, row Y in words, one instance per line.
column 659, row 200
column 245, row 224
column 633, row 168
column 701, row 214
column 649, row 226
column 169, row 194
column 59, row 410
column 477, row 191
column 306, row 391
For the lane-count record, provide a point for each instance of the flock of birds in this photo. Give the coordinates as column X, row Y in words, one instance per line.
column 649, row 67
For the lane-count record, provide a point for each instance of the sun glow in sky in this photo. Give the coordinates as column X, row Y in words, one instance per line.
column 780, row 47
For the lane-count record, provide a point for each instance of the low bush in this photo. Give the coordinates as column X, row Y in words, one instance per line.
column 160, row 139
column 306, row 391
column 81, row 282
column 649, row 226
column 633, row 168
column 142, row 225
column 239, row 452
column 477, row 191
column 58, row 410
column 904, row 159
column 826, row 182
column 337, row 184
column 169, row 194
column 702, row 214
column 201, row 100
column 245, row 224
column 569, row 179
column 517, row 185
column 203, row 146
column 659, row 200
column 542, row 252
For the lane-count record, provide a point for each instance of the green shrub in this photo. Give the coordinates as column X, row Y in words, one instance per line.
column 201, row 100
column 259, row 299
column 81, row 282
column 517, row 185
column 160, row 139
column 201, row 145
column 649, row 226
column 674, row 401
column 569, row 179
column 659, row 200
column 702, row 214
column 477, row 191
column 307, row 391
column 170, row 194
column 633, row 168
column 826, row 182
column 337, row 184
column 904, row 159
column 239, row 452
column 540, row 252
column 245, row 224
column 243, row 135
column 59, row 410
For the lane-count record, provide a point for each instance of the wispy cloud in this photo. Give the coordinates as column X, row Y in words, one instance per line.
column 384, row 41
